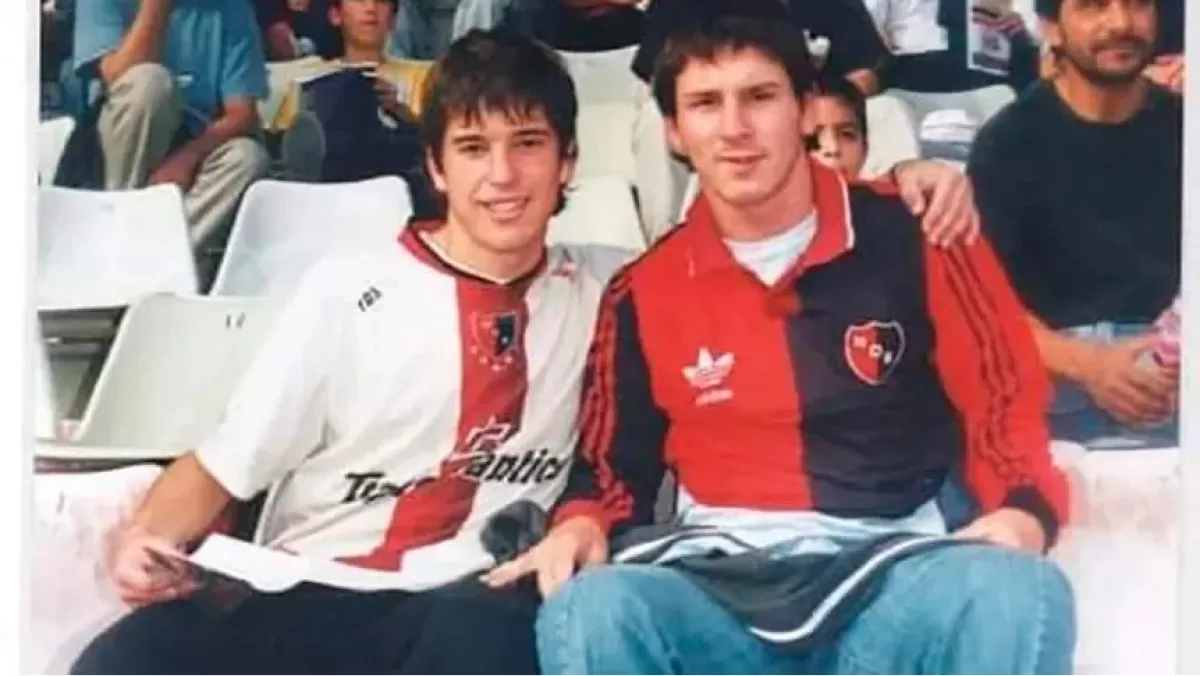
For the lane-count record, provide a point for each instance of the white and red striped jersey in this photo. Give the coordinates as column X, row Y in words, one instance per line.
column 401, row 401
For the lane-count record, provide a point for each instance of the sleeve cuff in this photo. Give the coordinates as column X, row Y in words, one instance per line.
column 232, row 479
column 1030, row 500
column 582, row 507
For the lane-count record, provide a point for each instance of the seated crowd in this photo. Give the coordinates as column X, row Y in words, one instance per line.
column 853, row 383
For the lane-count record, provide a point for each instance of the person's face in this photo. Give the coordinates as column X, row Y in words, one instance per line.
column 501, row 176
column 737, row 121
column 837, row 133
column 364, row 23
column 1105, row 41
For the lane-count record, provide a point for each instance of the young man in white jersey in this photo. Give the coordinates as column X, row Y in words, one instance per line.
column 405, row 397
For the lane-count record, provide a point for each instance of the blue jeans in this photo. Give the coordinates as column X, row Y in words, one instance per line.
column 969, row 609
column 1075, row 417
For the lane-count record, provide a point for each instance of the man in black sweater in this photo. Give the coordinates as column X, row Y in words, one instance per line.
column 1079, row 186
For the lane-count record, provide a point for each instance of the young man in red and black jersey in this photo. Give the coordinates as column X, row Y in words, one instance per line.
column 811, row 370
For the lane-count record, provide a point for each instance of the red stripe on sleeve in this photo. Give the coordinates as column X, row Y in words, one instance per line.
column 619, row 464
column 992, row 372
column 598, row 420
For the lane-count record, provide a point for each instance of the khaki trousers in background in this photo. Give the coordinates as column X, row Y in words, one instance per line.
column 138, row 126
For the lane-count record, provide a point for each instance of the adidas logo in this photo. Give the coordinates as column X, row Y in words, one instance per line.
column 708, row 371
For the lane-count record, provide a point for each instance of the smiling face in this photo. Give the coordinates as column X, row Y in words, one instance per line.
column 738, row 122
column 502, row 175
column 1105, row 41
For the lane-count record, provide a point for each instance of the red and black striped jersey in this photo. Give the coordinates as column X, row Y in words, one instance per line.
column 852, row 386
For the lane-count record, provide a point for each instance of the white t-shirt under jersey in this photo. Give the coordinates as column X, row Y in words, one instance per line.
column 400, row 402
column 770, row 258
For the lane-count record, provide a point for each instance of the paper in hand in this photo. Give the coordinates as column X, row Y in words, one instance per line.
column 265, row 570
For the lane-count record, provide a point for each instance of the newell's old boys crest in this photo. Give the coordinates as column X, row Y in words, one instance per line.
column 494, row 338
column 873, row 349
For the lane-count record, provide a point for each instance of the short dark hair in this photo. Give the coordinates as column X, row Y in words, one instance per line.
column 764, row 26
column 498, row 71
column 843, row 90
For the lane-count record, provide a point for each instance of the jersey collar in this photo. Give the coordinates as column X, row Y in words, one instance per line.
column 834, row 236
column 420, row 249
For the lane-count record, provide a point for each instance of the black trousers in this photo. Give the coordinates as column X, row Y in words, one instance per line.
column 464, row 628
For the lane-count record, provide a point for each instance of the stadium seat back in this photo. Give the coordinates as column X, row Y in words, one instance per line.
column 52, row 141
column 620, row 131
column 891, row 134
column 979, row 104
column 283, row 228
column 605, row 134
column 604, row 76
column 173, row 367
column 107, row 249
column 599, row 210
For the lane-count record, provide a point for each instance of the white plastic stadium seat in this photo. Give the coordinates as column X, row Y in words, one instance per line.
column 70, row 597
column 172, row 368
column 620, row 131
column 107, row 249
column 599, row 210
column 979, row 104
column 891, row 135
column 948, row 134
column 52, row 140
column 604, row 76
column 283, row 228
column 1121, row 553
